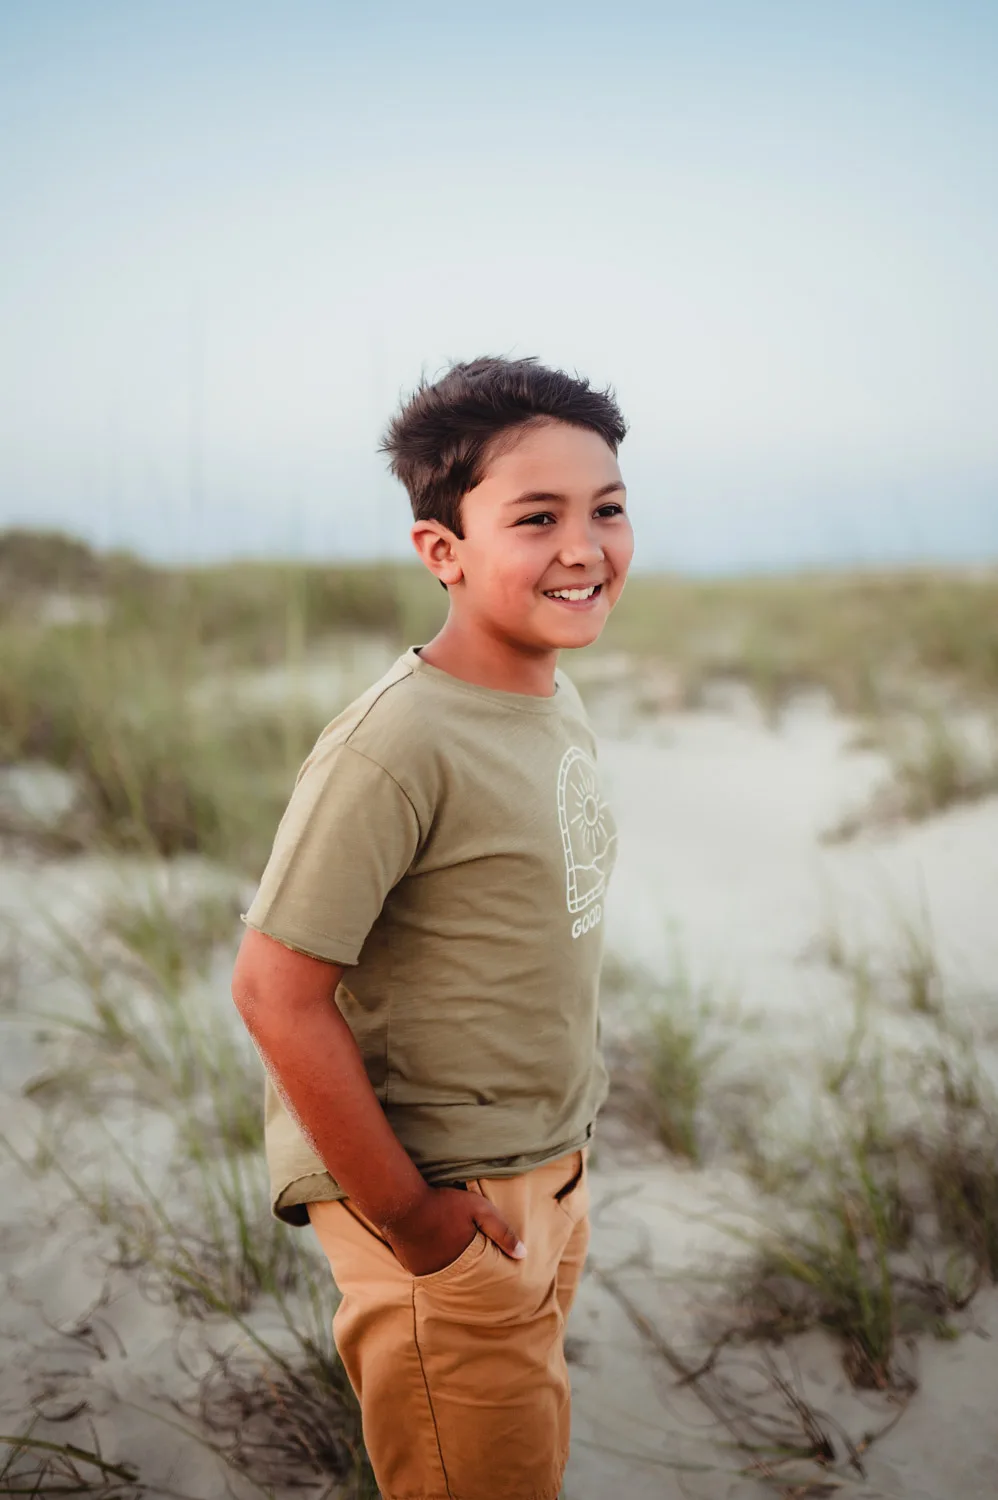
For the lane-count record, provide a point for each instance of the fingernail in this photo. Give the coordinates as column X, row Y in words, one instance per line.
column 519, row 1250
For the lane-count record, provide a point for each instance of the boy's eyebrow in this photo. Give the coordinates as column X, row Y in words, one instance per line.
column 534, row 497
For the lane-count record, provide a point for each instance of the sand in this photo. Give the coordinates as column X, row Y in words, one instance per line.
column 722, row 870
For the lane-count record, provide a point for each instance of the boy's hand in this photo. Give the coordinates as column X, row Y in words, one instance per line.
column 443, row 1224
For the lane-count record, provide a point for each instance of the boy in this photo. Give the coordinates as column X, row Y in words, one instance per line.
column 421, row 966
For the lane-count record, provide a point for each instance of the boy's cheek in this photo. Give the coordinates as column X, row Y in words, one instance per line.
column 623, row 558
column 620, row 579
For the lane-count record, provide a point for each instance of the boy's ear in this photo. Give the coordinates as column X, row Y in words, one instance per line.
column 436, row 547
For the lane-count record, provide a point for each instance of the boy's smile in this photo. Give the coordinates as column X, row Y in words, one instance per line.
column 577, row 596
column 546, row 547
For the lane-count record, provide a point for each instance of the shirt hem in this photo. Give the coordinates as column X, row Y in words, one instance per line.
column 290, row 1201
column 309, row 951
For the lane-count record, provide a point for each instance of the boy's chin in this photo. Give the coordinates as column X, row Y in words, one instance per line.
column 574, row 635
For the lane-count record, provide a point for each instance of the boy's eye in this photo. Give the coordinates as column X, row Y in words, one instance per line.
column 545, row 518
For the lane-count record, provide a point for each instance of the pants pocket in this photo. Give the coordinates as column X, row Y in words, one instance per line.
column 573, row 1196
column 469, row 1257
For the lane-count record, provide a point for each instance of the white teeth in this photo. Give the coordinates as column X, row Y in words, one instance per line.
column 574, row 594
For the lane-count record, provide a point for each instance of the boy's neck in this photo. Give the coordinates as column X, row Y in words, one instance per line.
column 491, row 663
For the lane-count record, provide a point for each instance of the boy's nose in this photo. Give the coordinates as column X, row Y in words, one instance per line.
column 581, row 547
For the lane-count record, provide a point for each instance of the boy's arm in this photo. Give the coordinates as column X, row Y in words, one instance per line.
column 286, row 1000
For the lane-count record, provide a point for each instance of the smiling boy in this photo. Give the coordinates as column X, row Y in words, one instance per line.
column 420, row 971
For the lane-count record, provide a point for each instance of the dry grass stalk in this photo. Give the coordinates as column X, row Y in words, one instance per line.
column 38, row 1466
column 293, row 1427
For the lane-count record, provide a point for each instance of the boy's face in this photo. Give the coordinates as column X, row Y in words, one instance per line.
column 549, row 516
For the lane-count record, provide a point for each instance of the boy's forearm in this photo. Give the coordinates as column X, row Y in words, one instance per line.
column 317, row 1068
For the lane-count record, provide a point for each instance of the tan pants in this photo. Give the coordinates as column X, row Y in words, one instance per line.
column 461, row 1374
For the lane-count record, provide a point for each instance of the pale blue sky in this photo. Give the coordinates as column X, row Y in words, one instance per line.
column 234, row 232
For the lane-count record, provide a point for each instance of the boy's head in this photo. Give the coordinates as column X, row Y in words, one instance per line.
column 512, row 472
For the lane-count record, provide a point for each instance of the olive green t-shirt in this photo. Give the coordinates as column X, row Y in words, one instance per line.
column 449, row 844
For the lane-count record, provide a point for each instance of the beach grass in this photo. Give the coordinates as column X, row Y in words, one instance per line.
column 943, row 767
column 934, row 762
column 871, row 639
column 960, row 1160
column 892, row 1227
column 158, row 1034
column 665, row 1055
column 679, row 1060
column 38, row 1466
column 836, row 1271
column 156, row 772
column 171, row 934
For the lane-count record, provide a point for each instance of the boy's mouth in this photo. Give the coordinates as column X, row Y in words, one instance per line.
column 575, row 596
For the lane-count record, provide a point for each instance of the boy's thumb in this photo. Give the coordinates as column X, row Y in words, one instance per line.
column 508, row 1241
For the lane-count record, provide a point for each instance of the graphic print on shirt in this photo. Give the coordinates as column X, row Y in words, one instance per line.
column 584, row 835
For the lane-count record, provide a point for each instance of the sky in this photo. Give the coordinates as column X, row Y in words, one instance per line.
column 235, row 235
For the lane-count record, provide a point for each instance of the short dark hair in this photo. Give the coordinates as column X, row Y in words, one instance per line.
column 440, row 440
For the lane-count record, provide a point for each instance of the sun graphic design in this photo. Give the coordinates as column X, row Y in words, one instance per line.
column 585, row 832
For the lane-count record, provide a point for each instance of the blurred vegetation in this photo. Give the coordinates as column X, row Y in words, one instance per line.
column 118, row 671
column 155, row 770
column 31, row 561
column 111, row 696
column 868, row 638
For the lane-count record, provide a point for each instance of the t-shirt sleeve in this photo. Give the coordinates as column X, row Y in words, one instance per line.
column 348, row 835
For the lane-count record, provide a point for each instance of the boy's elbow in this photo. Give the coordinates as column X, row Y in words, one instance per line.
column 246, row 986
column 244, row 995
column 272, row 980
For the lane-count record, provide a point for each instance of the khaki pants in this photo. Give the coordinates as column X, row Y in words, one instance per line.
column 461, row 1374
